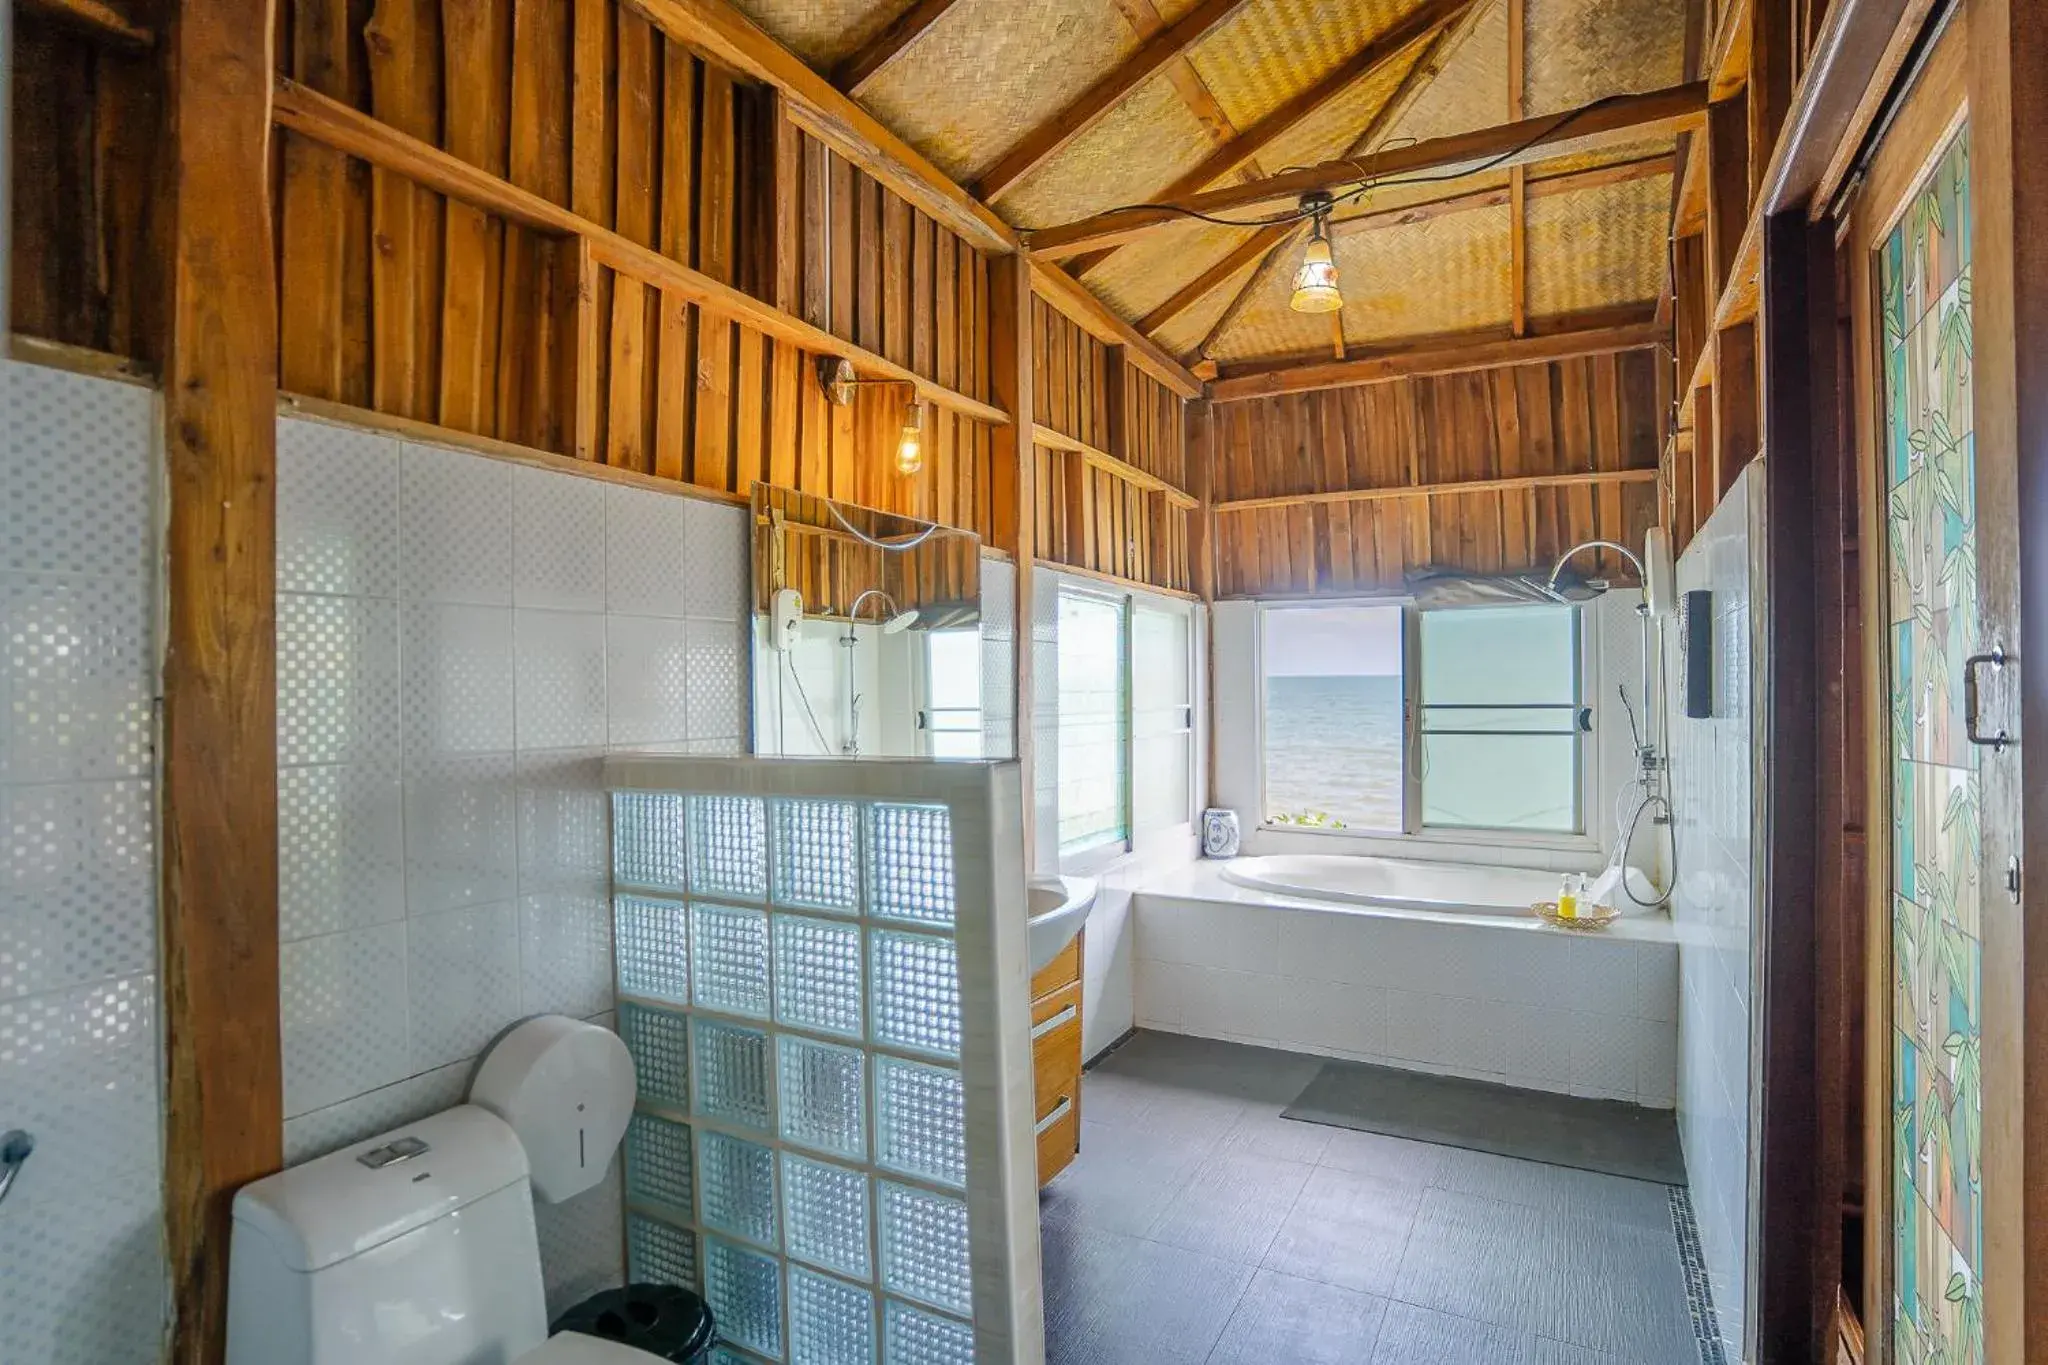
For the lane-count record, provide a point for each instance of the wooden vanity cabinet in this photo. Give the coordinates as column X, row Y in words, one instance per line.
column 1056, row 1059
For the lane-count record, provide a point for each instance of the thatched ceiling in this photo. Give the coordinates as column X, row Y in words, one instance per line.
column 985, row 73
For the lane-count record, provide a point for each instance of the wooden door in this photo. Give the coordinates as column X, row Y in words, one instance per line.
column 1909, row 241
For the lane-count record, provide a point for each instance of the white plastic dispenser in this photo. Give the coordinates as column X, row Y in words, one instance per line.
column 566, row 1088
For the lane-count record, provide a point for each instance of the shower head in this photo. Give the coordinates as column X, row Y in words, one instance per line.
column 894, row 623
column 900, row 622
column 1630, row 555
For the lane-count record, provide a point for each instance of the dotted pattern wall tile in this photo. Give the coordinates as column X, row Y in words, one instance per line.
column 77, row 486
column 75, row 669
column 582, row 1245
column 77, row 882
column 565, row 953
column 337, row 510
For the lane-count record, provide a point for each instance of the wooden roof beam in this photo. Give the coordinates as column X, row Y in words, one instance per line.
column 717, row 29
column 1452, row 488
column 1438, row 357
column 1046, row 140
column 892, row 42
column 1618, row 118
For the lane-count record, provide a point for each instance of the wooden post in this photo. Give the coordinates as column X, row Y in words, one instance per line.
column 1016, row 462
column 223, row 1078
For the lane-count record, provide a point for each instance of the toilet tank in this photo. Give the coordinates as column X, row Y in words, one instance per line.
column 416, row 1247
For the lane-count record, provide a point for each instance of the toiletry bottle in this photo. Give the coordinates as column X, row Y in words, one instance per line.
column 1568, row 898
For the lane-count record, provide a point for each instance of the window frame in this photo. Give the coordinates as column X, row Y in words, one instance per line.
column 925, row 710
column 1413, row 831
column 1097, row 855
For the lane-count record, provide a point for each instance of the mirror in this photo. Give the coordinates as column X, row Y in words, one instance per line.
column 867, row 632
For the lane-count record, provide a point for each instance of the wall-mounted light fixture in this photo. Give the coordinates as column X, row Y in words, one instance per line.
column 837, row 378
column 1315, row 284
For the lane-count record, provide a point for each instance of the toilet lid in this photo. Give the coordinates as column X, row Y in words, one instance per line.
column 573, row 1348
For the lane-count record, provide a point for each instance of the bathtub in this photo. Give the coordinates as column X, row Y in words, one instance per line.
column 1425, row 966
column 1444, row 887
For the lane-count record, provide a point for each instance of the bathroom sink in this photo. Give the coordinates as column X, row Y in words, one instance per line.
column 1059, row 907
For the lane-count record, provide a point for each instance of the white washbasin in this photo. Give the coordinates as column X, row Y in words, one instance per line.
column 1059, row 907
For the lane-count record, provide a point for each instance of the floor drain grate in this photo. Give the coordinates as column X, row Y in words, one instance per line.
column 1699, row 1297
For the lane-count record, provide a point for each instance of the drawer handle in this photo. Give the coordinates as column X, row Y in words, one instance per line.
column 1059, row 1111
column 1040, row 1030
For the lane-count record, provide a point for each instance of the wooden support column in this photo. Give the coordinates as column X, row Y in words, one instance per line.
column 223, row 1079
column 1727, row 143
column 1016, row 465
column 1736, row 436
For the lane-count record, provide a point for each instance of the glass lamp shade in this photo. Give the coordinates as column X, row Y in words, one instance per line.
column 1315, row 284
column 910, row 450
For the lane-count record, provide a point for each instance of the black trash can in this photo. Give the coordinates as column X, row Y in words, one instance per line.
column 664, row 1320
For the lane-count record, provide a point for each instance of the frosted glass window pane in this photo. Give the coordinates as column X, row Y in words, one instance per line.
column 818, row 975
column 729, row 949
column 1500, row 718
column 817, row 855
column 825, row 1212
column 659, row 1044
column 915, row 988
column 1160, row 658
column 658, row 1165
column 647, row 840
column 910, row 852
column 911, row 1336
column 729, row 847
column 1094, row 679
column 659, row 1254
column 953, row 658
column 744, row 1290
column 1334, row 696
column 920, row 1120
column 652, row 946
column 1159, row 789
column 732, row 1073
column 924, row 1247
column 830, row 1323
column 823, row 1096
column 739, row 1187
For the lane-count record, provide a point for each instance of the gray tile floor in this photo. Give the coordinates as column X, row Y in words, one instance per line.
column 1198, row 1225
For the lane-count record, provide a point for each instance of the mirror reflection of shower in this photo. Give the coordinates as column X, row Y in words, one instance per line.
column 894, row 623
column 1650, row 792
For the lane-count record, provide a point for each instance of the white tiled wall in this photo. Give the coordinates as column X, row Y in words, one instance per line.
column 1514, row 1002
column 998, row 659
column 1715, row 906
column 81, row 1269
column 460, row 641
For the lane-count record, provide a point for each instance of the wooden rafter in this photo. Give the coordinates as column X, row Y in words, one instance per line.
column 98, row 19
column 1518, row 196
column 1618, row 118
column 1421, row 211
column 1043, row 142
column 1439, row 357
column 718, row 29
column 1453, row 488
column 892, row 42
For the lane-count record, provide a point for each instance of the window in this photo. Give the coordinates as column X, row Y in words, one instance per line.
column 1334, row 698
column 951, row 718
column 1499, row 696
column 1162, row 717
column 1093, row 700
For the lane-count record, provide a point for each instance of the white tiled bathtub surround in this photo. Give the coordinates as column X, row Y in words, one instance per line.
column 460, row 642
column 81, row 1266
column 1509, row 1000
column 1715, row 906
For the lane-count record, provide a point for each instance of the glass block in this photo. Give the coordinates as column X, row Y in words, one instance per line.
column 744, row 1289
column 924, row 1247
column 658, row 1042
column 647, row 840
column 817, row 855
column 920, row 1120
column 739, row 1187
column 651, row 944
column 911, row 1336
column 910, row 861
column 914, row 980
column 658, row 1165
column 732, row 1073
column 817, row 975
column 659, row 1254
column 729, row 847
column 830, row 1323
column 729, row 949
column 823, row 1096
column 825, row 1215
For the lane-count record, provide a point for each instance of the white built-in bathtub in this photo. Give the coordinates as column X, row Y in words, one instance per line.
column 1429, row 966
column 1450, row 888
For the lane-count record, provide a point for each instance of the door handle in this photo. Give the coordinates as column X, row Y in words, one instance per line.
column 15, row 1145
column 1996, row 658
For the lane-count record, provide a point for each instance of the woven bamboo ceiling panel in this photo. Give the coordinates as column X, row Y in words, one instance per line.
column 1598, row 248
column 988, row 72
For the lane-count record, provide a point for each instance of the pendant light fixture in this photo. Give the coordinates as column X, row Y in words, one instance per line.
column 1315, row 284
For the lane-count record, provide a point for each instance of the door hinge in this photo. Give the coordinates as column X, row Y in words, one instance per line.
column 2013, row 879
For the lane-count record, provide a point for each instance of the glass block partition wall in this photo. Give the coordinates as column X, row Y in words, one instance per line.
column 822, row 982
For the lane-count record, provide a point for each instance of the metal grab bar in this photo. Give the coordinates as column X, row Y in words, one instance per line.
column 15, row 1146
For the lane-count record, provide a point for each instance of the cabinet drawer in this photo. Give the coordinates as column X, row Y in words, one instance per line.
column 1055, row 1048
column 1059, row 1136
column 1063, row 970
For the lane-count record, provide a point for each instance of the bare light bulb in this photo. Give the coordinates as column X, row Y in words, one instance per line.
column 1315, row 284
column 910, row 449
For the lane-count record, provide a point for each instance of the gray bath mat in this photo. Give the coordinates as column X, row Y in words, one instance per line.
column 1593, row 1135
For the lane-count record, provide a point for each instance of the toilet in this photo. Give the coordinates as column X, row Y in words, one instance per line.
column 417, row 1246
